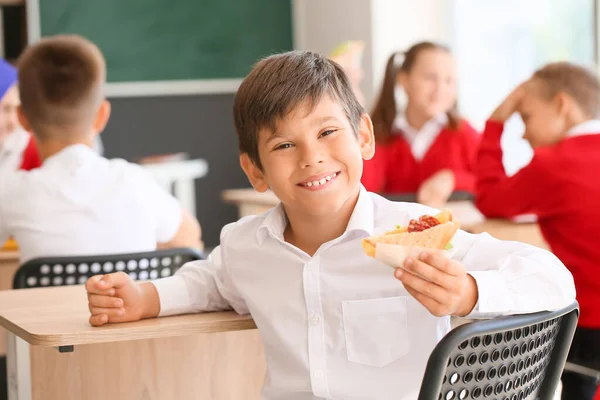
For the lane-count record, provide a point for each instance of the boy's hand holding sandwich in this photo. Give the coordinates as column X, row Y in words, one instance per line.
column 416, row 252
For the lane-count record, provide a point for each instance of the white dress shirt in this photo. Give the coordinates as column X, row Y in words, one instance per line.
column 79, row 203
column 339, row 325
column 420, row 140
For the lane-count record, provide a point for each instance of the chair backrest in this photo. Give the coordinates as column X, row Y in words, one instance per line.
column 510, row 358
column 75, row 270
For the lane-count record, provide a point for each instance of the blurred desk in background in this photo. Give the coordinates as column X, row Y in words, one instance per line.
column 177, row 177
column 250, row 202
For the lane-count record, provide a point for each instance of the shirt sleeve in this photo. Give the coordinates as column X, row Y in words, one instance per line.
column 513, row 277
column 201, row 286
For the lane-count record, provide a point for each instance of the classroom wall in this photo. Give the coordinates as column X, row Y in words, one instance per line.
column 398, row 24
column 321, row 25
column 384, row 25
column 199, row 125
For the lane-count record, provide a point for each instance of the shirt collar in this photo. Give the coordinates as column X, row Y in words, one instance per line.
column 362, row 219
column 585, row 128
column 73, row 152
column 274, row 224
column 435, row 124
column 363, row 216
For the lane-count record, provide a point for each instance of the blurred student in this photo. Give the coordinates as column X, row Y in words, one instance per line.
column 17, row 147
column 424, row 148
column 559, row 105
column 77, row 202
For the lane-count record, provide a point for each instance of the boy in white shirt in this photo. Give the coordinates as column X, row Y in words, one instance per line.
column 335, row 323
column 77, row 202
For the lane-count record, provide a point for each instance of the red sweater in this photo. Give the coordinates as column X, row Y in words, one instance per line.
column 394, row 169
column 561, row 186
column 31, row 157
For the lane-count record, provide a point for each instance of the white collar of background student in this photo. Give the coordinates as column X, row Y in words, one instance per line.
column 585, row 128
column 420, row 140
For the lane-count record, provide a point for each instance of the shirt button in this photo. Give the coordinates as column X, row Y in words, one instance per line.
column 315, row 319
column 318, row 374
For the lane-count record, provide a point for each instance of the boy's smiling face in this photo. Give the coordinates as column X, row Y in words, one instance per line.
column 313, row 160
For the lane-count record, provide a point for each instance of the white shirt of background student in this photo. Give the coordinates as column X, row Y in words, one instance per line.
column 79, row 203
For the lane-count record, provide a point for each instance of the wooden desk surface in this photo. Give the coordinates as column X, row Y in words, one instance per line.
column 239, row 196
column 58, row 316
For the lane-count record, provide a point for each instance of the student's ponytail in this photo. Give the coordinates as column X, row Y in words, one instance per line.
column 384, row 112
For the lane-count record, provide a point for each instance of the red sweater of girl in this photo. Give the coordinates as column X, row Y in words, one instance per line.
column 394, row 169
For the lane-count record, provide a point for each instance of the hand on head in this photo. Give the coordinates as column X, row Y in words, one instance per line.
column 510, row 104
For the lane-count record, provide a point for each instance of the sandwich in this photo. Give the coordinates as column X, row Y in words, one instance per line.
column 428, row 232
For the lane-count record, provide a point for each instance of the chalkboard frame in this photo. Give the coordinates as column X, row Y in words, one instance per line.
column 143, row 88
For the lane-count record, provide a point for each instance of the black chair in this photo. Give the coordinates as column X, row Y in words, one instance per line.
column 509, row 358
column 75, row 270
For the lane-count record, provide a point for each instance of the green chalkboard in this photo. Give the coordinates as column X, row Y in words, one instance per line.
column 162, row 40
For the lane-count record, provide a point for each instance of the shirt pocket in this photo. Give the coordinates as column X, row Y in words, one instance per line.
column 376, row 330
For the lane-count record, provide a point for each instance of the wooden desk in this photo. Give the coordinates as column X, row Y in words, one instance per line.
column 250, row 202
column 201, row 356
column 506, row 230
column 9, row 263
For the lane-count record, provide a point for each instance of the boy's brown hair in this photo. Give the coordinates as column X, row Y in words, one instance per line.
column 61, row 81
column 577, row 81
column 279, row 83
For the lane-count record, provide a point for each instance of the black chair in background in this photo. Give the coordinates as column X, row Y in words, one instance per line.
column 509, row 358
column 75, row 270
